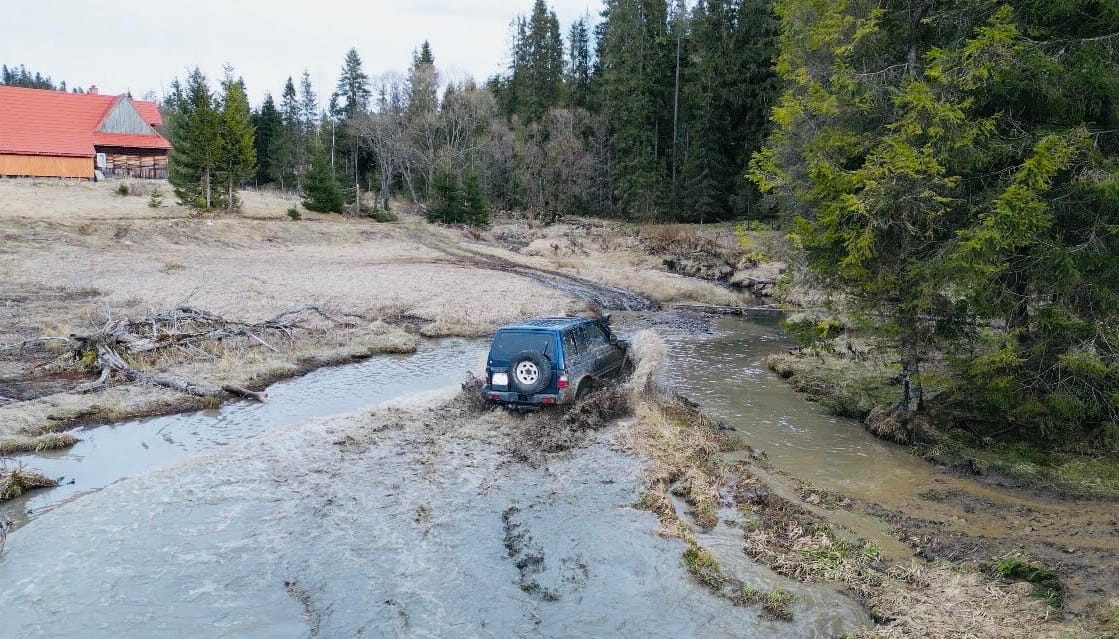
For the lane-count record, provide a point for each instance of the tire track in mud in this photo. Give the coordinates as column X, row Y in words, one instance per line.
column 601, row 296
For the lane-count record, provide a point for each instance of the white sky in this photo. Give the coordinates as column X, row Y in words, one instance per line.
column 141, row 46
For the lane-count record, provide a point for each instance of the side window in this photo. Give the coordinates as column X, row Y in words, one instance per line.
column 570, row 345
column 596, row 336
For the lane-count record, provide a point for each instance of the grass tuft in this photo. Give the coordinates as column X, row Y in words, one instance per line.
column 14, row 482
column 703, row 566
column 1046, row 584
column 38, row 444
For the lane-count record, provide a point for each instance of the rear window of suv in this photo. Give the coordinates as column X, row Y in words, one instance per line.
column 509, row 344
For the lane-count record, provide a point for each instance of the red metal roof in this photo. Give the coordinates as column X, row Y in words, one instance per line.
column 43, row 122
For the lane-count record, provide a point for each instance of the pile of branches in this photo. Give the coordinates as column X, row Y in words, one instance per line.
column 184, row 329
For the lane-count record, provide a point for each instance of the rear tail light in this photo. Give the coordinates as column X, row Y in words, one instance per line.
column 562, row 382
column 548, row 400
column 494, row 396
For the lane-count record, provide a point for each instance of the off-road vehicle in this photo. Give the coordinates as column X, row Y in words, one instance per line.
column 551, row 360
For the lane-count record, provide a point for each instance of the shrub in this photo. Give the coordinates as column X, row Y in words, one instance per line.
column 294, row 214
column 384, row 216
column 122, row 189
column 156, row 199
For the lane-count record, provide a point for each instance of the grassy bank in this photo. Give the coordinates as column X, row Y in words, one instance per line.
column 865, row 389
column 685, row 449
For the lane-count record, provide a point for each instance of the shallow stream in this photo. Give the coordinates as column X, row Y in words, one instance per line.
column 251, row 521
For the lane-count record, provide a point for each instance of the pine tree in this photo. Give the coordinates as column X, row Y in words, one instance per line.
column 236, row 161
column 196, row 141
column 321, row 190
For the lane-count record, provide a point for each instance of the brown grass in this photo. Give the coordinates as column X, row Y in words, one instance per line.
column 16, row 481
column 37, row 444
column 941, row 601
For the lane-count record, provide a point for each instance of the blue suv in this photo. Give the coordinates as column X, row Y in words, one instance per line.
column 551, row 360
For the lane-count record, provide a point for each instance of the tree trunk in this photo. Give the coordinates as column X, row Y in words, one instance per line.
column 913, row 392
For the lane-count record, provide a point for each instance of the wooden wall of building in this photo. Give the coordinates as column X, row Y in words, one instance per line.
column 46, row 166
column 137, row 163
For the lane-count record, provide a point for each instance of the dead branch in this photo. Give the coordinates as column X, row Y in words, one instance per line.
column 184, row 329
column 311, row 308
column 31, row 342
column 246, row 393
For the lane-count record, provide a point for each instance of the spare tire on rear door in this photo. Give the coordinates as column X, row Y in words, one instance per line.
column 529, row 372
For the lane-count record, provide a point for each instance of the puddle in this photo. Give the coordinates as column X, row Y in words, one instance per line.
column 110, row 453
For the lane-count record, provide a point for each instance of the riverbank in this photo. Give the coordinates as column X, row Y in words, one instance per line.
column 76, row 257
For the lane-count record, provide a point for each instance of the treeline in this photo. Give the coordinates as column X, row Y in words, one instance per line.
column 954, row 167
column 653, row 113
column 21, row 76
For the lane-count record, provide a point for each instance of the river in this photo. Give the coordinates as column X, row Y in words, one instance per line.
column 315, row 515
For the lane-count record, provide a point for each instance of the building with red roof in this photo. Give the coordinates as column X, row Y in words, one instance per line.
column 47, row 133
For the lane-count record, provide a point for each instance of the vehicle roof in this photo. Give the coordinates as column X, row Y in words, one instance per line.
column 548, row 323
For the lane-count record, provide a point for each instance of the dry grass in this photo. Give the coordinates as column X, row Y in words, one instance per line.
column 812, row 551
column 37, row 444
column 16, row 481
column 940, row 601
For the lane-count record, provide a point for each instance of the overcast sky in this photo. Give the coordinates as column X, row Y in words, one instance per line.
column 140, row 46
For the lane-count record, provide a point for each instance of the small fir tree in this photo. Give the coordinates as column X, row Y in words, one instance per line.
column 321, row 190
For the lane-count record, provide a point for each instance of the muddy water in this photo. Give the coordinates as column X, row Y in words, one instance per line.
column 110, row 453
column 401, row 524
column 724, row 370
column 386, row 524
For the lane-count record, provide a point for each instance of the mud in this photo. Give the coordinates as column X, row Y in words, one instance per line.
column 1081, row 552
column 108, row 453
column 403, row 521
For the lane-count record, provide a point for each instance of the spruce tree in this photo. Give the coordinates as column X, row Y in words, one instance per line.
column 637, row 62
column 196, row 142
column 308, row 107
column 422, row 84
column 236, row 160
column 477, row 209
column 321, row 190
column 288, row 150
column 447, row 204
column 353, row 95
column 579, row 64
column 269, row 127
column 891, row 153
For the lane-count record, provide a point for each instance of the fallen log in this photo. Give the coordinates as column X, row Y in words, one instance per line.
column 246, row 393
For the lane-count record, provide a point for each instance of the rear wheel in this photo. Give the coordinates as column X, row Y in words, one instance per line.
column 585, row 388
column 530, row 372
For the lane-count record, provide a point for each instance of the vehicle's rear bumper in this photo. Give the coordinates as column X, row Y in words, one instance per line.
column 513, row 397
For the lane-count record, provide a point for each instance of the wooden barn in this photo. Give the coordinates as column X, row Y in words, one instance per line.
column 57, row 134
